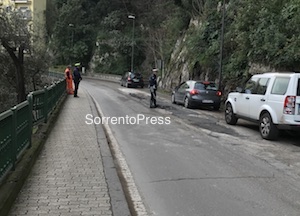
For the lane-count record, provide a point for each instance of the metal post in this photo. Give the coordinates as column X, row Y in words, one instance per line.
column 30, row 118
column 45, row 104
column 222, row 45
column 14, row 135
column 132, row 49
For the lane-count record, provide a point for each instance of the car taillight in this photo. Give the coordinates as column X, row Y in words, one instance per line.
column 194, row 92
column 289, row 105
column 219, row 93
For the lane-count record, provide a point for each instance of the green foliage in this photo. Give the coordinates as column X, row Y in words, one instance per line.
column 203, row 42
column 173, row 27
column 75, row 30
column 114, row 49
column 266, row 33
column 260, row 32
column 256, row 32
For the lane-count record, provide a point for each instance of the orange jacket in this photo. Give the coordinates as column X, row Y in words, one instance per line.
column 68, row 73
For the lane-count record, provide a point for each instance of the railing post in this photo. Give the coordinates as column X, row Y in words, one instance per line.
column 45, row 103
column 30, row 118
column 14, row 137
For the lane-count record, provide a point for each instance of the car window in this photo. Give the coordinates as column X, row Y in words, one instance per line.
column 298, row 88
column 205, row 86
column 280, row 85
column 250, row 87
column 183, row 86
column 135, row 75
column 132, row 75
column 262, row 86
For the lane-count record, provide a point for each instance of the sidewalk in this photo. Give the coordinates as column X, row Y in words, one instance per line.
column 69, row 176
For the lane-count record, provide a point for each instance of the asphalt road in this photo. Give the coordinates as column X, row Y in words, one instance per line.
column 197, row 165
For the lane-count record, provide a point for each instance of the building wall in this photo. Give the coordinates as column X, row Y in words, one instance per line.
column 34, row 11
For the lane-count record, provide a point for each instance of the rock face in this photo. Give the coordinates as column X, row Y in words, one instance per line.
column 177, row 71
column 182, row 68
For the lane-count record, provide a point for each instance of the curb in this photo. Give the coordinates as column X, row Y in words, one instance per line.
column 133, row 197
column 118, row 200
column 15, row 180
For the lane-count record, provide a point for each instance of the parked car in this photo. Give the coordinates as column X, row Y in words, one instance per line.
column 132, row 79
column 270, row 99
column 197, row 94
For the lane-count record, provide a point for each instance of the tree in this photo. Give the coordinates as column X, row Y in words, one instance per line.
column 37, row 63
column 76, row 28
column 15, row 38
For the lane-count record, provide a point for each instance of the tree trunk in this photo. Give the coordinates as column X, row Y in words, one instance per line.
column 19, row 64
column 21, row 91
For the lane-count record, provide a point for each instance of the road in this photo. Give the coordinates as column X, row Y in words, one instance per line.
column 198, row 165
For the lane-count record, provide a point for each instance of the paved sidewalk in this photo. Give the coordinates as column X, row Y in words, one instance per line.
column 68, row 177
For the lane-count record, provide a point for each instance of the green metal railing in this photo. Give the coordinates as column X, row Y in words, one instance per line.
column 16, row 124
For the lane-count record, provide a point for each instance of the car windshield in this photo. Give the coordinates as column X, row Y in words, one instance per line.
column 205, row 86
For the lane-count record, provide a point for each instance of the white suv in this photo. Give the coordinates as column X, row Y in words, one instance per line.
column 271, row 99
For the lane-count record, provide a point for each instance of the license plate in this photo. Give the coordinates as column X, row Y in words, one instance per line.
column 135, row 80
column 207, row 101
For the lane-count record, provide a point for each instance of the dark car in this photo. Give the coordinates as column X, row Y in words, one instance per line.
column 197, row 94
column 132, row 79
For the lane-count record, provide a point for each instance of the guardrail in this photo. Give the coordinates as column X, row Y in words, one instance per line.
column 17, row 123
column 105, row 77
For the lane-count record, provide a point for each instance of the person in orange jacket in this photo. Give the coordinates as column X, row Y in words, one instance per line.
column 69, row 80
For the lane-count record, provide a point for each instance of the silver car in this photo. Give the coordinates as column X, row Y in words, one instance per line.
column 197, row 94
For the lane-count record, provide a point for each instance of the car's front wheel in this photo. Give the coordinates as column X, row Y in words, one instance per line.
column 267, row 129
column 230, row 117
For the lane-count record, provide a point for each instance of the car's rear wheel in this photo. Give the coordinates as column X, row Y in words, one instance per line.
column 267, row 129
column 173, row 99
column 187, row 103
column 230, row 117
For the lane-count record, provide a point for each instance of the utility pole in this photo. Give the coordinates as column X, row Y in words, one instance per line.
column 132, row 49
column 222, row 45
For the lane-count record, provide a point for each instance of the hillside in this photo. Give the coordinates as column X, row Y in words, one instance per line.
column 181, row 37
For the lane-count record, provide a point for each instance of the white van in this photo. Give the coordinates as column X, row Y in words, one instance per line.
column 271, row 99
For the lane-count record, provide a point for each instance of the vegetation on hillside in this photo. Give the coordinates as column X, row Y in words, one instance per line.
column 264, row 33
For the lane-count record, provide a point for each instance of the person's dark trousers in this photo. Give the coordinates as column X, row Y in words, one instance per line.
column 76, row 88
column 153, row 98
